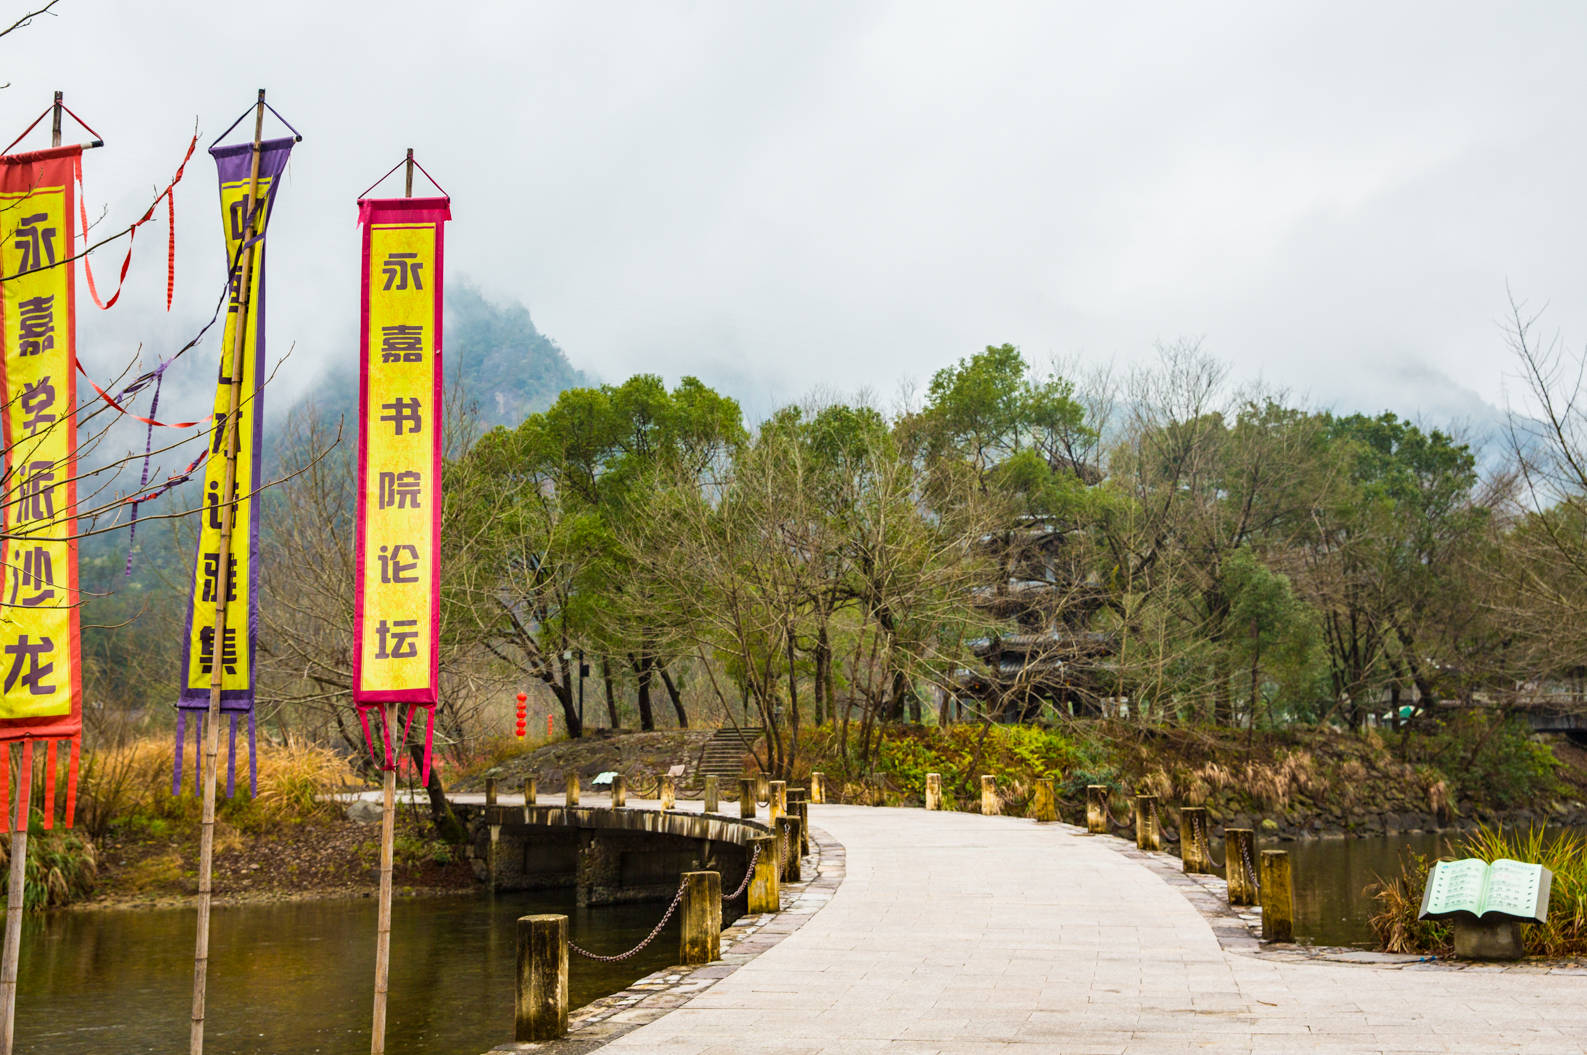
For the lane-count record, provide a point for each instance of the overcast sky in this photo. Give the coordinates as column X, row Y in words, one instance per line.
column 776, row 197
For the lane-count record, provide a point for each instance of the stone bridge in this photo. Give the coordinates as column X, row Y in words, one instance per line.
column 609, row 856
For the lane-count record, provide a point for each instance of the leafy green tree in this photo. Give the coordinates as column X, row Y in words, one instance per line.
column 546, row 501
column 1388, row 553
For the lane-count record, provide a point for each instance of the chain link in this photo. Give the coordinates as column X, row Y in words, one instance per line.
column 677, row 899
column 1250, row 867
column 749, row 873
column 1204, row 833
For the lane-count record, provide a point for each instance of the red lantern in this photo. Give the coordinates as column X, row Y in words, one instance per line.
column 522, row 716
column 550, row 725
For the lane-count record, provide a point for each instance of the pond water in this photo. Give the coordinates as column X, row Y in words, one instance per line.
column 299, row 977
column 1331, row 876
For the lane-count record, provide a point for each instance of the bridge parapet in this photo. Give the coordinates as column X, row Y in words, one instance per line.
column 609, row 856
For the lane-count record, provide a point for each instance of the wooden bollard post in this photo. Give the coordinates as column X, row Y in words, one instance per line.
column 1147, row 834
column 818, row 787
column 495, row 842
column 541, row 1012
column 746, row 797
column 712, row 793
column 777, row 800
column 762, row 788
column 619, row 792
column 573, row 789
column 1097, row 809
column 1194, row 854
column 1044, row 802
column 765, row 886
column 990, row 807
column 933, row 791
column 668, row 794
column 799, row 807
column 495, row 831
column 788, row 833
column 529, row 791
column 1278, row 897
column 700, row 940
column 1239, row 865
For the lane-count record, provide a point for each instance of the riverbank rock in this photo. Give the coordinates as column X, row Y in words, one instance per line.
column 362, row 811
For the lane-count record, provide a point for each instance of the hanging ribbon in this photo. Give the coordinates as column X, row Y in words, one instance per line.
column 132, row 234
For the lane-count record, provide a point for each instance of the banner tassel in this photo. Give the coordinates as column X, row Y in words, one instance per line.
column 71, row 780
column 49, row 783
column 369, row 738
column 5, row 782
column 429, row 741
column 253, row 759
column 198, row 754
column 402, row 746
column 231, row 758
column 24, row 786
column 181, row 749
column 385, row 739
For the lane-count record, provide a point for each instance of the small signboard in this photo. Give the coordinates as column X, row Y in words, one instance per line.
column 1503, row 890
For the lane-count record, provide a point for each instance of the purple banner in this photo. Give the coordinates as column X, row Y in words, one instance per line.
column 245, row 221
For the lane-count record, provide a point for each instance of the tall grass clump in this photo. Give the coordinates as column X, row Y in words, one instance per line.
column 128, row 786
column 61, row 867
column 1564, row 853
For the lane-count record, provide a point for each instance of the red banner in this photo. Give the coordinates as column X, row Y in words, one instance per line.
column 41, row 690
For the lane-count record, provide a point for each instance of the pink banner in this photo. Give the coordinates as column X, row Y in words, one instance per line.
column 396, row 616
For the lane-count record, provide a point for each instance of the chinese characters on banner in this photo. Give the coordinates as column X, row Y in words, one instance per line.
column 234, row 652
column 397, row 592
column 41, row 694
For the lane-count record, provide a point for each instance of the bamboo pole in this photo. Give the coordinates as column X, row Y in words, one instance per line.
column 228, row 517
column 16, row 890
column 16, row 894
column 388, row 836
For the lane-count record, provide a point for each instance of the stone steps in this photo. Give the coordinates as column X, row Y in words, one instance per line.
column 723, row 757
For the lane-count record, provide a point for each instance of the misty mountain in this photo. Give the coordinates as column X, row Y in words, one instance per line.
column 507, row 367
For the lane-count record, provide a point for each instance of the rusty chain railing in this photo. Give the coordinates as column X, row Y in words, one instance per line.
column 749, row 873
column 677, row 899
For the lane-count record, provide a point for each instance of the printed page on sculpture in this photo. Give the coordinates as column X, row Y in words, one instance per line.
column 1518, row 889
column 1454, row 886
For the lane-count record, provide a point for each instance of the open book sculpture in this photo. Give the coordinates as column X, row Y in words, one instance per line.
column 1472, row 889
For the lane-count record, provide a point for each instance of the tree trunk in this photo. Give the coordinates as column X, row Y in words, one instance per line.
column 447, row 826
column 570, row 707
column 674, row 695
column 611, row 694
column 647, row 717
column 823, row 666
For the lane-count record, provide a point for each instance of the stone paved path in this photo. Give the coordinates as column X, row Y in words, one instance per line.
column 956, row 933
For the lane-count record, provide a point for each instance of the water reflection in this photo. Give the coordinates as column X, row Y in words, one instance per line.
column 1331, row 875
column 299, row 977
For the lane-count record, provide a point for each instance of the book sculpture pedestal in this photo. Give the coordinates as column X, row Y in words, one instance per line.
column 1487, row 904
column 1498, row 939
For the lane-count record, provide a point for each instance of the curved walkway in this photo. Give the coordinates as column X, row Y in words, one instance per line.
column 957, row 933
